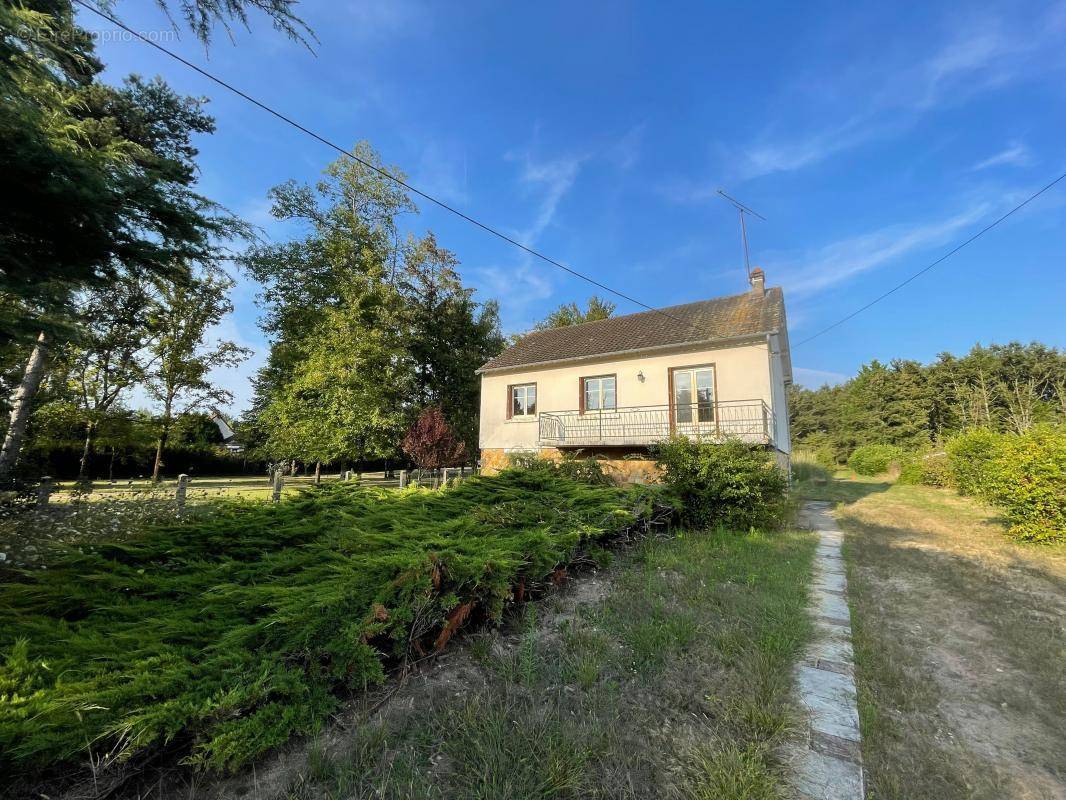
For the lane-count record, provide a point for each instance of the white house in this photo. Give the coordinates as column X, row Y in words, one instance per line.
column 611, row 388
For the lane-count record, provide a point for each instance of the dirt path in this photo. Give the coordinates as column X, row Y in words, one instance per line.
column 960, row 646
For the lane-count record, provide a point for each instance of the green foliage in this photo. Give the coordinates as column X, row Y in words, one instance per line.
column 970, row 456
column 366, row 329
column 928, row 469
column 231, row 634
column 586, row 470
column 1005, row 388
column 731, row 483
column 874, row 459
column 1023, row 474
column 570, row 314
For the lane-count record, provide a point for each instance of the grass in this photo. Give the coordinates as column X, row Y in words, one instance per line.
column 959, row 645
column 224, row 636
column 667, row 675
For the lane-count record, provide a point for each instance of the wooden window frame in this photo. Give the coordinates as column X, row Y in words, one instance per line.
column 510, row 400
column 581, row 391
column 713, row 366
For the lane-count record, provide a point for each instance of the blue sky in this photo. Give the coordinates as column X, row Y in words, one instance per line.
column 873, row 137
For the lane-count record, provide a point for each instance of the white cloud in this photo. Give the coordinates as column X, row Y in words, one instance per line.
column 895, row 92
column 816, row 378
column 554, row 178
column 1014, row 155
column 844, row 259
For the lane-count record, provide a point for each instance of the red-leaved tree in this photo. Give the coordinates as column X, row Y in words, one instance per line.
column 432, row 443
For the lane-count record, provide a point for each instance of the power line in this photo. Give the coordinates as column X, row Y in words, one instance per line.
column 940, row 260
column 384, row 173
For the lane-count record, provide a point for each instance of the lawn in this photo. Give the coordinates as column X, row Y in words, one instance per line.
column 959, row 645
column 222, row 636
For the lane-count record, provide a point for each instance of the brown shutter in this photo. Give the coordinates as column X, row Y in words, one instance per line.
column 581, row 395
column 510, row 402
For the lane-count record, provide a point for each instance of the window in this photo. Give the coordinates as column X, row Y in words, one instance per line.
column 522, row 400
column 693, row 398
column 598, row 394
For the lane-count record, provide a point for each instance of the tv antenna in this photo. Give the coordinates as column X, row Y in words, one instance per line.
column 742, row 210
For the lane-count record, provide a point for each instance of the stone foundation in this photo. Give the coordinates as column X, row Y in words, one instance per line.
column 622, row 467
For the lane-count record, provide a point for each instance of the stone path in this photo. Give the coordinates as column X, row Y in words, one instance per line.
column 827, row 763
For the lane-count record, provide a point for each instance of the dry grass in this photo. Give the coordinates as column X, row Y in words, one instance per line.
column 960, row 646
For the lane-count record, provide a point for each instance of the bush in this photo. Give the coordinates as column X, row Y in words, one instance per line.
column 1028, row 481
column 927, row 469
column 874, row 459
column 970, row 457
column 230, row 634
column 732, row 484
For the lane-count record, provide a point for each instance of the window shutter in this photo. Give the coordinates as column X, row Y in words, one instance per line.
column 510, row 401
column 581, row 395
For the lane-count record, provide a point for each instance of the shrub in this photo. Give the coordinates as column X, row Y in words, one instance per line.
column 928, row 469
column 1027, row 479
column 732, row 484
column 970, row 457
column 230, row 634
column 874, row 459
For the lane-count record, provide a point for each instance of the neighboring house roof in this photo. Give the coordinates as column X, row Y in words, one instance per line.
column 723, row 318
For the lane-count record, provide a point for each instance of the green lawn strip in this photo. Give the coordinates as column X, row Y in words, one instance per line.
column 676, row 683
column 230, row 634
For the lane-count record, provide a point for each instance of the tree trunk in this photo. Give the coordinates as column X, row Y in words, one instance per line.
column 87, row 453
column 292, row 469
column 111, row 466
column 318, row 472
column 22, row 405
column 160, row 445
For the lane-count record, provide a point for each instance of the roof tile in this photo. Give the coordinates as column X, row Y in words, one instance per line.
column 721, row 318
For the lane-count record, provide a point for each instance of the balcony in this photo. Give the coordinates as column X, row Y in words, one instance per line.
column 749, row 420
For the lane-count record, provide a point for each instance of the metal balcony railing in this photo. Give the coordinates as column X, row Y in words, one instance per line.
column 748, row 420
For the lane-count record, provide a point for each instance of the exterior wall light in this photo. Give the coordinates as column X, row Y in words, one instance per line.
column 640, row 376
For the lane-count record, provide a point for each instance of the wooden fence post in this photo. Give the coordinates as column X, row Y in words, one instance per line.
column 183, row 490
column 44, row 491
column 279, row 483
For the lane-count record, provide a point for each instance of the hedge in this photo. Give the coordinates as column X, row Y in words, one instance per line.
column 874, row 459
column 1025, row 475
column 225, row 637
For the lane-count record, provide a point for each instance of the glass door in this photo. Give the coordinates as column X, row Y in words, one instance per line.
column 693, row 400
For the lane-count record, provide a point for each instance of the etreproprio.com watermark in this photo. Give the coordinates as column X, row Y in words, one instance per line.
column 108, row 35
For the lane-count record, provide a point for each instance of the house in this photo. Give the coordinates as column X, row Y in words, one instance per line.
column 611, row 388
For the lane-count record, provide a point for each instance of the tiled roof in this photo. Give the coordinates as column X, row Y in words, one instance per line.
column 722, row 318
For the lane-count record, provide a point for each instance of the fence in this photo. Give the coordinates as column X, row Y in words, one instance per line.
column 273, row 485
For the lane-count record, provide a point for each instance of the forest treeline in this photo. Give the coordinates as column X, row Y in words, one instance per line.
column 913, row 406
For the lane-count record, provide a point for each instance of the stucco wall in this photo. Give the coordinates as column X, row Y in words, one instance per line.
column 742, row 373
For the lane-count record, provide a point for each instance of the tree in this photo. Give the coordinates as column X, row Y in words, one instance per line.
column 346, row 397
column 431, row 443
column 104, row 177
column 181, row 360
column 571, row 314
column 105, row 362
column 450, row 335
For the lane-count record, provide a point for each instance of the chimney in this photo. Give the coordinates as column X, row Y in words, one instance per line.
column 758, row 281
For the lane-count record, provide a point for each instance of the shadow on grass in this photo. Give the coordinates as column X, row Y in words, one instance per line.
column 951, row 625
column 839, row 490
